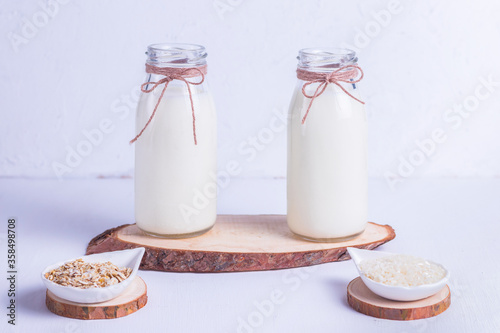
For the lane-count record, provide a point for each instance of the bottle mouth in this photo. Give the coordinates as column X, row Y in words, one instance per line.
column 176, row 55
column 325, row 58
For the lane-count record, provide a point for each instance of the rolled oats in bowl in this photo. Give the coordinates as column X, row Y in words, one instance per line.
column 85, row 275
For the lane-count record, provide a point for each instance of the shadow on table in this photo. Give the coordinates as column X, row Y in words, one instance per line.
column 338, row 290
column 32, row 300
column 69, row 210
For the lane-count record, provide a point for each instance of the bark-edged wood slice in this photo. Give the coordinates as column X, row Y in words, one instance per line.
column 363, row 300
column 236, row 243
column 132, row 299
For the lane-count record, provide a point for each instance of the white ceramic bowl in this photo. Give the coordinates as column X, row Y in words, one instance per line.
column 395, row 293
column 126, row 258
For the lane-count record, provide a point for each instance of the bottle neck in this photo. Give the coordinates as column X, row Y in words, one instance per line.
column 172, row 58
column 324, row 60
column 176, row 55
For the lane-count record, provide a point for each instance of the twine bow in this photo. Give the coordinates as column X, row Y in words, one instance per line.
column 171, row 74
column 346, row 74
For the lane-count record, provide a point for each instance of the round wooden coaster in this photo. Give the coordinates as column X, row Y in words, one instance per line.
column 132, row 299
column 363, row 300
column 236, row 243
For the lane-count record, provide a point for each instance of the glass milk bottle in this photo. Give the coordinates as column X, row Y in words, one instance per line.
column 327, row 139
column 175, row 146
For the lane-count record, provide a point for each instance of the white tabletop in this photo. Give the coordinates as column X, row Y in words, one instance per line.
column 453, row 222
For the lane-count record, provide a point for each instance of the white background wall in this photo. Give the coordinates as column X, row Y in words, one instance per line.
column 62, row 74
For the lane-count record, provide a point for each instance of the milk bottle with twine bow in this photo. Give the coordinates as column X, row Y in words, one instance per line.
column 327, row 139
column 175, row 145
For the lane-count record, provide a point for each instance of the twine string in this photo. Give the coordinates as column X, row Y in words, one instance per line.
column 345, row 74
column 170, row 74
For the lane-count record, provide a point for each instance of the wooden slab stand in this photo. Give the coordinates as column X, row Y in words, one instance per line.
column 363, row 300
column 236, row 243
column 133, row 298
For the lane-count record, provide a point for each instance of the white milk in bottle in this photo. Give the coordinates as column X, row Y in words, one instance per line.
column 327, row 167
column 175, row 188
